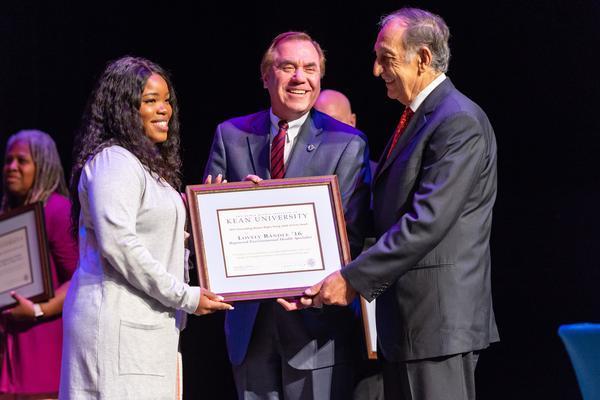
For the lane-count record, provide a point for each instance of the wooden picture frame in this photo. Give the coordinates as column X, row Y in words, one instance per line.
column 24, row 259
column 267, row 240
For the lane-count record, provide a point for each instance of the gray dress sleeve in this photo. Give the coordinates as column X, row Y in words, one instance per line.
column 116, row 181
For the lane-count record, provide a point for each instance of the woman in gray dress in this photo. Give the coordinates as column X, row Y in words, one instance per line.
column 124, row 309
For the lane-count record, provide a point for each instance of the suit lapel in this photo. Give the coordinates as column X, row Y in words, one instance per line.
column 308, row 141
column 258, row 145
column 418, row 121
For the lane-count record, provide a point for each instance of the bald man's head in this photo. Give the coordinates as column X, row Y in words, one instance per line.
column 336, row 105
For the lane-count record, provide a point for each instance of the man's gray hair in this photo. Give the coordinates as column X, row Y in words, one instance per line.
column 423, row 29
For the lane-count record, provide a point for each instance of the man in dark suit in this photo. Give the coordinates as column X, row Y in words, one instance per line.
column 275, row 354
column 433, row 193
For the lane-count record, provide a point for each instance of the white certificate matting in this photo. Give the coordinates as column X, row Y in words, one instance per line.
column 269, row 240
column 370, row 326
column 266, row 240
column 15, row 264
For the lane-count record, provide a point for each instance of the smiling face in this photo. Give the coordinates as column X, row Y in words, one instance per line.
column 293, row 79
column 402, row 76
column 19, row 170
column 156, row 109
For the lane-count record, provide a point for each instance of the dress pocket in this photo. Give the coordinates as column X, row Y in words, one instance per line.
column 143, row 349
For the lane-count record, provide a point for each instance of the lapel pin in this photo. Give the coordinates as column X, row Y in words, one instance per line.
column 310, row 147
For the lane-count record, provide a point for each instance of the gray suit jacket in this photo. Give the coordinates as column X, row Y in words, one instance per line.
column 432, row 206
column 310, row 338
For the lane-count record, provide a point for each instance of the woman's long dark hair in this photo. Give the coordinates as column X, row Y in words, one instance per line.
column 112, row 117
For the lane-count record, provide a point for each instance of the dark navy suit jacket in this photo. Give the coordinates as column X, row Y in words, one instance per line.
column 310, row 338
column 432, row 211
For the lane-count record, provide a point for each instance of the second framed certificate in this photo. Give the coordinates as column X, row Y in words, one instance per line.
column 265, row 240
column 24, row 263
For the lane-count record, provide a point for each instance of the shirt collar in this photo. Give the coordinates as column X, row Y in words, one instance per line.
column 292, row 125
column 416, row 103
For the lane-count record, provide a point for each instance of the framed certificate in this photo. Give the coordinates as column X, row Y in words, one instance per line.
column 266, row 240
column 370, row 327
column 24, row 265
column 368, row 315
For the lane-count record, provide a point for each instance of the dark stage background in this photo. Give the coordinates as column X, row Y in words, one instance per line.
column 531, row 65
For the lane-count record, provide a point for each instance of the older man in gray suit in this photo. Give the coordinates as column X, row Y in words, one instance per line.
column 433, row 193
column 275, row 354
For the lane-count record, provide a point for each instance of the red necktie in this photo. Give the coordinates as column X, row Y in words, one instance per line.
column 404, row 119
column 277, row 147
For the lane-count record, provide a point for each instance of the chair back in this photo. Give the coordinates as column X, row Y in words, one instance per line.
column 583, row 345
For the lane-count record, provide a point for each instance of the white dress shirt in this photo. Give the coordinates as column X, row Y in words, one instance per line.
column 292, row 133
column 425, row 92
